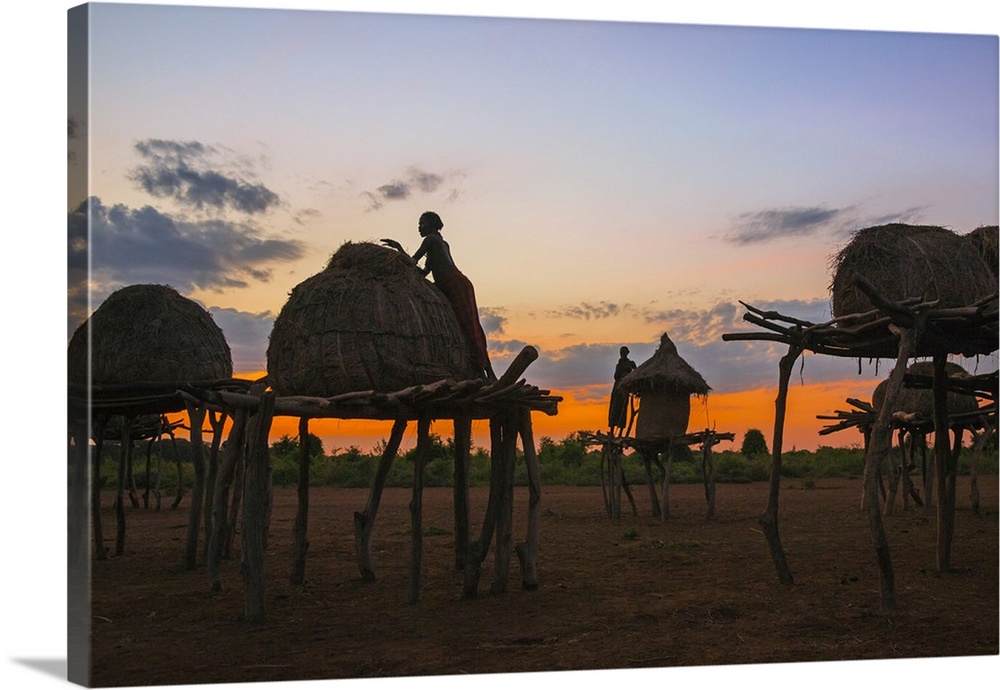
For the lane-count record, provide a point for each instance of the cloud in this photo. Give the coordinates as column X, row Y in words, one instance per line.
column 587, row 311
column 128, row 246
column 186, row 172
column 247, row 334
column 777, row 223
column 415, row 181
column 492, row 320
column 728, row 366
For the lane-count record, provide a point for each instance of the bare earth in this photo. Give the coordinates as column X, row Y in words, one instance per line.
column 628, row 594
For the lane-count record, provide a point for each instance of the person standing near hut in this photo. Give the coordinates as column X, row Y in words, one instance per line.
column 452, row 282
column 618, row 407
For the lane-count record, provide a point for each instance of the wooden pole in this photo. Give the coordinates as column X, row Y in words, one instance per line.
column 505, row 512
column 416, row 508
column 101, row 551
column 217, row 422
column 300, row 530
column 232, row 455
column 460, row 488
column 256, row 513
column 942, row 466
column 708, row 471
column 123, row 462
column 479, row 548
column 665, row 512
column 769, row 518
column 528, row 551
column 365, row 520
column 196, row 413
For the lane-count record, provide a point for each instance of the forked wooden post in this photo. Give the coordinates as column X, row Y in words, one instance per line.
column 460, row 488
column 769, row 518
column 527, row 552
column 232, row 456
column 365, row 520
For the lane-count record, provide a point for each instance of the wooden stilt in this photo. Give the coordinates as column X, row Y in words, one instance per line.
column 256, row 514
column 300, row 530
column 665, row 500
column 479, row 548
column 365, row 520
column 505, row 512
column 232, row 456
column 942, row 466
column 416, row 509
column 460, row 488
column 708, row 472
column 527, row 552
column 217, row 422
column 123, row 461
column 196, row 414
column 100, row 550
column 769, row 518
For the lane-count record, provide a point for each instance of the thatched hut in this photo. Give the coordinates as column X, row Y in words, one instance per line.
column 985, row 239
column 664, row 385
column 368, row 321
column 909, row 261
column 148, row 333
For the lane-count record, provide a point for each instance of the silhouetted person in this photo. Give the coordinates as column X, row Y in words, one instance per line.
column 453, row 283
column 618, row 407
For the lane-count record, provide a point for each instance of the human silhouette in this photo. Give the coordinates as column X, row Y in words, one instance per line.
column 618, row 406
column 453, row 283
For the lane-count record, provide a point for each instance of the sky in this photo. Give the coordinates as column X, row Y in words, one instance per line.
column 601, row 182
column 687, row 170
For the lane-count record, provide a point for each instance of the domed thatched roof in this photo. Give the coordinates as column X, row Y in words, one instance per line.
column 985, row 240
column 920, row 401
column 665, row 371
column 368, row 321
column 148, row 333
column 908, row 261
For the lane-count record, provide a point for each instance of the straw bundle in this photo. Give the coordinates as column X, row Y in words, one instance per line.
column 985, row 240
column 909, row 261
column 920, row 401
column 148, row 333
column 368, row 321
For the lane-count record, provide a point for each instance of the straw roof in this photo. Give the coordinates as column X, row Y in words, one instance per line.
column 909, row 261
column 148, row 333
column 920, row 401
column 985, row 240
column 368, row 321
column 665, row 372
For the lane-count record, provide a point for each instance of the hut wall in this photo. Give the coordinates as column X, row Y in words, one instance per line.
column 662, row 414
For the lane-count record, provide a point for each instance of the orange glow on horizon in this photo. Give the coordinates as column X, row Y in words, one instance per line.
column 581, row 410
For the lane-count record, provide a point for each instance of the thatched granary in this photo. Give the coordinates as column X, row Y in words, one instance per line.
column 664, row 384
column 148, row 333
column 368, row 321
column 909, row 261
column 918, row 403
column 985, row 239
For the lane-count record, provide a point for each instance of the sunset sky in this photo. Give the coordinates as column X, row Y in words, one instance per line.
column 601, row 182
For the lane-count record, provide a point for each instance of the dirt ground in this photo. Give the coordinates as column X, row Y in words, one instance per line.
column 628, row 594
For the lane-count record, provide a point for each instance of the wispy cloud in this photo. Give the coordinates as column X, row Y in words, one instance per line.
column 200, row 177
column 776, row 223
column 414, row 181
column 587, row 311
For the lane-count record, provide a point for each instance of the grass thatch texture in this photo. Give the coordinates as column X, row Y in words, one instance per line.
column 920, row 401
column 368, row 321
column 985, row 240
column 148, row 333
column 665, row 372
column 909, row 261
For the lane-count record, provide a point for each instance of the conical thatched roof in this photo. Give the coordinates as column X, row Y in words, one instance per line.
column 920, row 401
column 909, row 261
column 985, row 239
column 665, row 371
column 148, row 333
column 368, row 321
